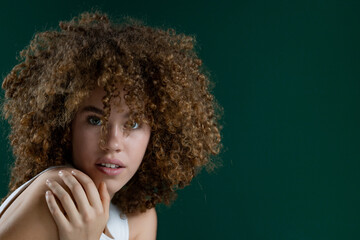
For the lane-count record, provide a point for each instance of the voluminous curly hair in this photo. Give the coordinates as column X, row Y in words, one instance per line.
column 165, row 87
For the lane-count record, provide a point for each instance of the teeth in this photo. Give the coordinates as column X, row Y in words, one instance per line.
column 109, row 165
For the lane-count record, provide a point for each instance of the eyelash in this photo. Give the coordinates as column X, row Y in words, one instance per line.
column 135, row 125
column 91, row 120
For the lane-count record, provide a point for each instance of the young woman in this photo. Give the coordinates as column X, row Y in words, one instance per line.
column 107, row 120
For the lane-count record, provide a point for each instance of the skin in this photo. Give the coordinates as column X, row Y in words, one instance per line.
column 76, row 205
column 124, row 143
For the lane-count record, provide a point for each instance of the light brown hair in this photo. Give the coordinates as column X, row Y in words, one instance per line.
column 165, row 87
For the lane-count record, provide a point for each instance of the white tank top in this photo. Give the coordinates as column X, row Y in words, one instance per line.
column 117, row 225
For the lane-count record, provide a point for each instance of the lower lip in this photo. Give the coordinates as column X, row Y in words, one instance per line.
column 110, row 171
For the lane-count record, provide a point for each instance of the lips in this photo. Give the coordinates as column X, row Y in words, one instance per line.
column 111, row 161
column 109, row 166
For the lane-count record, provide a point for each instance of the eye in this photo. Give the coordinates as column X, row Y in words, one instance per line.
column 93, row 120
column 134, row 125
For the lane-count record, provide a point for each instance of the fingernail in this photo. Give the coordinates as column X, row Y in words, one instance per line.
column 73, row 172
column 48, row 182
column 60, row 173
column 47, row 195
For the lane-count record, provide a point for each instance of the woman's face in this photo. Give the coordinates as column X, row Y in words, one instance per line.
column 124, row 149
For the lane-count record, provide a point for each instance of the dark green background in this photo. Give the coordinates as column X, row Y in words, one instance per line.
column 287, row 74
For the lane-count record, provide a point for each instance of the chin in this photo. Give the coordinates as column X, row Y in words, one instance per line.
column 113, row 187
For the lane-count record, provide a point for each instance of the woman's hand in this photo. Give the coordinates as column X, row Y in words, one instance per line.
column 85, row 211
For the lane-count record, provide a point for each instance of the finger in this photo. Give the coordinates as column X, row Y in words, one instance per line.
column 66, row 201
column 89, row 187
column 105, row 196
column 77, row 191
column 58, row 216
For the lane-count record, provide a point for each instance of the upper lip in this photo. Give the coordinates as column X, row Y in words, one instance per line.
column 111, row 161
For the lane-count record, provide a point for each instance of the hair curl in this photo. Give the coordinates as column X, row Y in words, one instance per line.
column 165, row 85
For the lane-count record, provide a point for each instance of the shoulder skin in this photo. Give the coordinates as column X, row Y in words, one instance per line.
column 28, row 215
column 143, row 226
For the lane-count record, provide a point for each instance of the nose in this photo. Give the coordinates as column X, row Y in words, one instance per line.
column 115, row 138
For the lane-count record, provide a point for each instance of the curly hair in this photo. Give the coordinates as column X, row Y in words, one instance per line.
column 165, row 86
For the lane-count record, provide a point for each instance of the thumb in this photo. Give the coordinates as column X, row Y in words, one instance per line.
column 105, row 196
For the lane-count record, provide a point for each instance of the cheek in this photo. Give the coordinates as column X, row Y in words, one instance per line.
column 139, row 145
column 84, row 144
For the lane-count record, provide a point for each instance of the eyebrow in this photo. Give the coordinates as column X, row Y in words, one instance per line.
column 92, row 109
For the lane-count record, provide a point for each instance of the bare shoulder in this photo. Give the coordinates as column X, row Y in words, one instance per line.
column 28, row 214
column 143, row 226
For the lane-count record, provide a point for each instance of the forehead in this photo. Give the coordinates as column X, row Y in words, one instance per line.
column 100, row 92
column 96, row 96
